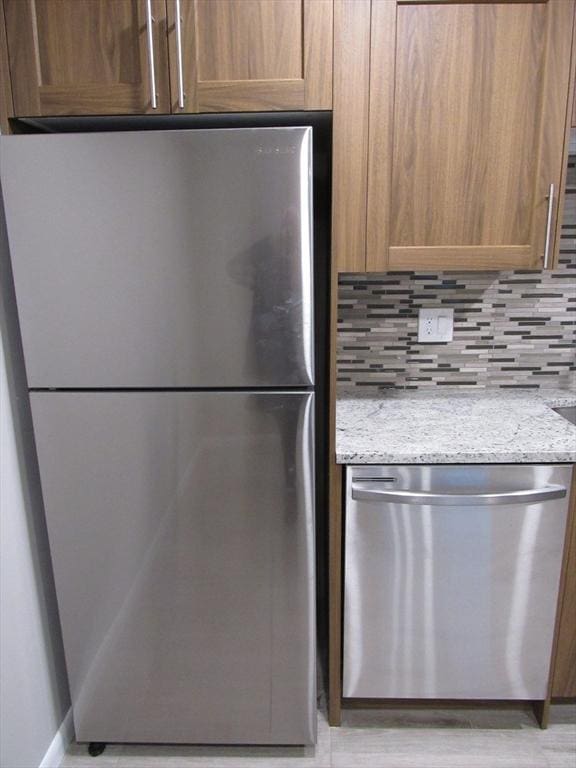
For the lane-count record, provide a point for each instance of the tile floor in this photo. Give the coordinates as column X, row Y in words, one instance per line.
column 401, row 738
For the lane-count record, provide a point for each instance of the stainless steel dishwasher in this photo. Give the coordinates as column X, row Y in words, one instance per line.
column 451, row 579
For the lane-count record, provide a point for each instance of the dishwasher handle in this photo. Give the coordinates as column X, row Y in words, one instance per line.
column 365, row 492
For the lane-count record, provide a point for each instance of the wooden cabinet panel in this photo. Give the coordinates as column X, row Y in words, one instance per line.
column 6, row 105
column 251, row 55
column 350, row 133
column 459, row 172
column 75, row 57
column 250, row 40
column 564, row 665
column 459, row 122
column 573, row 113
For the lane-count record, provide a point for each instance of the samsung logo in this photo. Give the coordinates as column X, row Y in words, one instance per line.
column 276, row 150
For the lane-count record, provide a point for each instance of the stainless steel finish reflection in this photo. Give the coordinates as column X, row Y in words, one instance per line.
column 568, row 412
column 151, row 62
column 452, row 601
column 548, row 225
column 182, row 536
column 179, row 64
column 367, row 492
column 163, row 259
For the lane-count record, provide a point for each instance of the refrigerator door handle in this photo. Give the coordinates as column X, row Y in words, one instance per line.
column 528, row 496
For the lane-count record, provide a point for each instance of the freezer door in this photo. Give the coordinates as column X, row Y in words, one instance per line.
column 452, row 577
column 181, row 529
column 162, row 259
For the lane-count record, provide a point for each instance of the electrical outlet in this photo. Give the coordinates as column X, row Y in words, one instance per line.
column 435, row 325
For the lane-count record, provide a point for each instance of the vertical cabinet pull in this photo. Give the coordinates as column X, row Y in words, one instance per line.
column 179, row 51
column 151, row 63
column 548, row 226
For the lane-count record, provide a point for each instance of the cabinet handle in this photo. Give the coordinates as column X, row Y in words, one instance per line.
column 151, row 63
column 179, row 50
column 548, row 225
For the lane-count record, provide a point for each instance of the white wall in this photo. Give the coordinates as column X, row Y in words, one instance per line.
column 33, row 687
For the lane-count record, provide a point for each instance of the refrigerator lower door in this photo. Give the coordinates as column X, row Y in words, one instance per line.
column 162, row 259
column 182, row 536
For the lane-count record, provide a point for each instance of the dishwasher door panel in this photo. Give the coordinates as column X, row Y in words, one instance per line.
column 452, row 600
column 181, row 528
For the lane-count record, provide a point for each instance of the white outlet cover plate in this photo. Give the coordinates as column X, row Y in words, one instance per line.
column 435, row 325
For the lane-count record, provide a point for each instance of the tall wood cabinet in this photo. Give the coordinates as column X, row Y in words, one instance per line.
column 462, row 133
column 101, row 57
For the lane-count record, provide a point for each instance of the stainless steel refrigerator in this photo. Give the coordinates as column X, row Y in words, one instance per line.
column 165, row 298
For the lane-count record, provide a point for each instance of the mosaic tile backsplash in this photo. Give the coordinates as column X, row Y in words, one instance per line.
column 511, row 329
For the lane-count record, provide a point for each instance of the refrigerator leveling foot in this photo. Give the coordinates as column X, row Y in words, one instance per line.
column 96, row 748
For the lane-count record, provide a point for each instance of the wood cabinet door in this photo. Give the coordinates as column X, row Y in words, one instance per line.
column 87, row 57
column 250, row 55
column 467, row 120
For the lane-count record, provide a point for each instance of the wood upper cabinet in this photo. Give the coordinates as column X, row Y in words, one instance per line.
column 250, row 55
column 465, row 131
column 476, row 136
column 98, row 57
column 87, row 57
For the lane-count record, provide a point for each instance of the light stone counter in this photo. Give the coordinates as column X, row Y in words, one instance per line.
column 455, row 427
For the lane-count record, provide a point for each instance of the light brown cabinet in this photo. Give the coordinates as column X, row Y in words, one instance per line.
column 250, row 55
column 99, row 57
column 87, row 57
column 462, row 133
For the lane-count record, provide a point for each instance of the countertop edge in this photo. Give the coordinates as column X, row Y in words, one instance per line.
column 512, row 458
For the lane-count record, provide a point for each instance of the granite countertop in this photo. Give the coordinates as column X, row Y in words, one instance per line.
column 455, row 427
